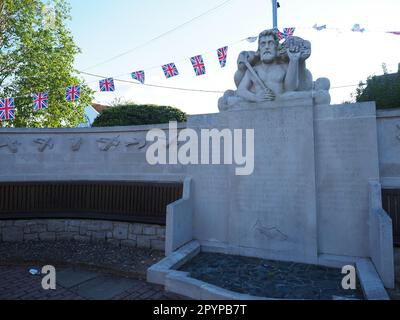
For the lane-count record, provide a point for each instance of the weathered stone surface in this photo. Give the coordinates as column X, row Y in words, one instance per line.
column 132, row 236
column 161, row 232
column 120, row 232
column 47, row 236
column 345, row 163
column 389, row 145
column 74, row 223
column 99, row 236
column 136, row 229
column 149, row 231
column 72, row 229
column 21, row 223
column 31, row 237
column 94, row 226
column 66, row 235
column 56, row 226
column 38, row 228
column 83, row 231
column 80, row 230
column 106, row 225
column 13, row 234
column 81, row 238
column 271, row 212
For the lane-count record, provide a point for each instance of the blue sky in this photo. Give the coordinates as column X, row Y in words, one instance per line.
column 103, row 29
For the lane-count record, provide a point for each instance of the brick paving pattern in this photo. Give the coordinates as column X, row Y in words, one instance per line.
column 17, row 284
column 84, row 271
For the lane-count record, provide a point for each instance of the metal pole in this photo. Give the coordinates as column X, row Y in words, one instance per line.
column 275, row 13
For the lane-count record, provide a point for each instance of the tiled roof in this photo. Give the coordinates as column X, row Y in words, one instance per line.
column 99, row 107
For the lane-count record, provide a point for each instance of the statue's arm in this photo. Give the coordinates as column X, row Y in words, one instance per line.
column 292, row 76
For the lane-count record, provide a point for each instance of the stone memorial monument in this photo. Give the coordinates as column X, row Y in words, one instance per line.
column 313, row 196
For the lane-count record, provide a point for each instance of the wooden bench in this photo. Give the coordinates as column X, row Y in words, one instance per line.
column 141, row 202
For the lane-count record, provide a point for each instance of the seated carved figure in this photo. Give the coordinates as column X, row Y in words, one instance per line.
column 275, row 72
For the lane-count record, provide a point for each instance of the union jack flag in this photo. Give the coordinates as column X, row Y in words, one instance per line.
column 279, row 34
column 107, row 85
column 288, row 32
column 139, row 76
column 40, row 101
column 7, row 109
column 198, row 65
column 170, row 70
column 73, row 93
column 222, row 56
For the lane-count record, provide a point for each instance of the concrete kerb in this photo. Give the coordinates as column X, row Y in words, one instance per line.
column 371, row 283
column 165, row 273
column 181, row 283
column 157, row 273
column 380, row 236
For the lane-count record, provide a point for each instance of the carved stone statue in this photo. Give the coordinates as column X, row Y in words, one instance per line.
column 276, row 72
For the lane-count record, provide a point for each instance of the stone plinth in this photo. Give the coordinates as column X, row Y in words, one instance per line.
column 271, row 213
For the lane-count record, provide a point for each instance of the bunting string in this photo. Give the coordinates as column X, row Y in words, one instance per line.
column 107, row 84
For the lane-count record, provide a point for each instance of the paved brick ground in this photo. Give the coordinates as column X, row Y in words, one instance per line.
column 17, row 284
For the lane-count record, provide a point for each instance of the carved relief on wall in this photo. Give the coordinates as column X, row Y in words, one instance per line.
column 139, row 143
column 44, row 144
column 106, row 144
column 12, row 145
column 270, row 233
column 76, row 144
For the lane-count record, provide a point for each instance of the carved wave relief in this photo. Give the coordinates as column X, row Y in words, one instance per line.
column 271, row 233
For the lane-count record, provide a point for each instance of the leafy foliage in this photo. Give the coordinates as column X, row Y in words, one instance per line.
column 128, row 115
column 37, row 54
column 385, row 90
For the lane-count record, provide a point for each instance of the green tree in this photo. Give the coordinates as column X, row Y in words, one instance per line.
column 129, row 115
column 385, row 90
column 37, row 54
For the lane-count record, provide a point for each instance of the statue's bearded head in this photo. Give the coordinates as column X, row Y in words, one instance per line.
column 268, row 46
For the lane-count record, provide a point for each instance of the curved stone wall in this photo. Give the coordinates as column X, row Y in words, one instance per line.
column 117, row 233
